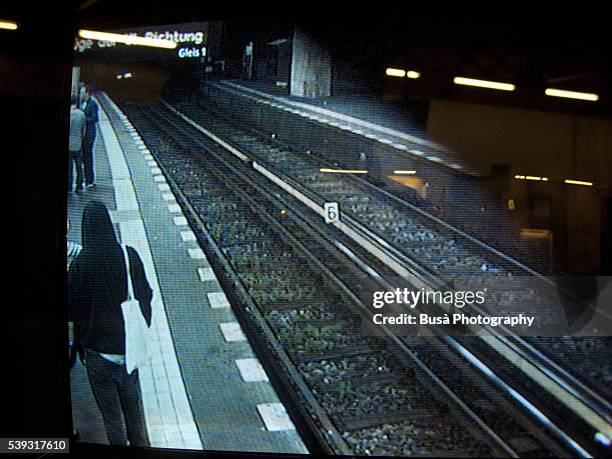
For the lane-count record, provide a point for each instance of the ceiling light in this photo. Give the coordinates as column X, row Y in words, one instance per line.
column 531, row 177
column 484, row 84
column 8, row 25
column 578, row 182
column 571, row 94
column 395, row 72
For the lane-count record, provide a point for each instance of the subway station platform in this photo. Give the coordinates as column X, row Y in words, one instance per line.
column 373, row 120
column 204, row 388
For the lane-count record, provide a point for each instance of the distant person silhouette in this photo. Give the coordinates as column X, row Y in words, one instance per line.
column 97, row 285
column 90, row 108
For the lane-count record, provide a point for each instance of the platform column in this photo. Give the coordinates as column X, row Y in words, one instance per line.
column 310, row 67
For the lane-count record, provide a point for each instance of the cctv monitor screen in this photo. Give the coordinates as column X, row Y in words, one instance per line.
column 381, row 239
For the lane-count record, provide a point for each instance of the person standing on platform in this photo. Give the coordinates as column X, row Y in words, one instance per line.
column 97, row 285
column 75, row 145
column 90, row 108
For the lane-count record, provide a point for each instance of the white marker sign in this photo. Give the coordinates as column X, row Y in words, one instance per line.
column 332, row 213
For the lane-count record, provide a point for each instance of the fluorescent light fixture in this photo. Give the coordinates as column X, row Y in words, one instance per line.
column 578, row 182
column 343, row 171
column 412, row 74
column 404, row 172
column 395, row 72
column 127, row 75
column 280, row 41
column 8, row 25
column 484, row 84
column 531, row 177
column 571, row 94
column 127, row 39
column 535, row 233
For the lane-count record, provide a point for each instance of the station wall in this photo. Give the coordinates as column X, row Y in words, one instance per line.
column 556, row 146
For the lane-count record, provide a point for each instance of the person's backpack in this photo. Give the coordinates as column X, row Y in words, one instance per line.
column 137, row 351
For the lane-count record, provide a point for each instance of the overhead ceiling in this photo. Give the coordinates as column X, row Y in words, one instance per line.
column 569, row 49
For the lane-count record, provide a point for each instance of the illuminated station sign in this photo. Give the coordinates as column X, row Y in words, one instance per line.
column 190, row 39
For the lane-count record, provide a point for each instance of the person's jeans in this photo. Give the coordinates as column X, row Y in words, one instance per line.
column 88, row 157
column 76, row 159
column 118, row 397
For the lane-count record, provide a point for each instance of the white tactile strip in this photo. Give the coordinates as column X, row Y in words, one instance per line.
column 174, row 208
column 232, row 332
column 180, row 221
column 206, row 274
column 251, row 370
column 196, row 254
column 275, row 417
column 188, row 236
column 273, row 414
column 218, row 300
column 168, row 415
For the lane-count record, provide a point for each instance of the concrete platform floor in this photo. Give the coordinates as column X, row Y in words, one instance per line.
column 205, row 388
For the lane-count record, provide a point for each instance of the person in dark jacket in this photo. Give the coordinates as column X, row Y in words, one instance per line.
column 90, row 108
column 97, row 285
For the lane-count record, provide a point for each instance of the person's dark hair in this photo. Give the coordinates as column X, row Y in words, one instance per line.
column 97, row 231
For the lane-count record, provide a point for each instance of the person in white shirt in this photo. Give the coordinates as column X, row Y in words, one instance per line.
column 75, row 145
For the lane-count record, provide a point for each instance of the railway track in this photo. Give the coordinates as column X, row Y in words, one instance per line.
column 542, row 377
column 364, row 395
column 440, row 251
